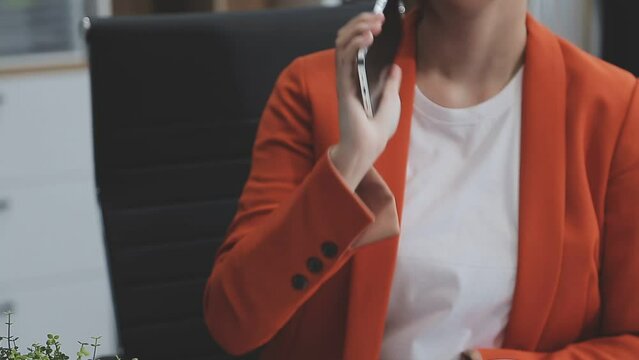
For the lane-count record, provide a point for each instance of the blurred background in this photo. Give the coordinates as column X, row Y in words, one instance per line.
column 53, row 272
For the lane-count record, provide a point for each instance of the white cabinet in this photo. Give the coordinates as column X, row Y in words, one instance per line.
column 72, row 309
column 49, row 229
column 53, row 271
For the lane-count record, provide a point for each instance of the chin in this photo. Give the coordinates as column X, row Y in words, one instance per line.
column 464, row 6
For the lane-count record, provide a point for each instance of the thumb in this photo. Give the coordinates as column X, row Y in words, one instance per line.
column 394, row 79
column 390, row 105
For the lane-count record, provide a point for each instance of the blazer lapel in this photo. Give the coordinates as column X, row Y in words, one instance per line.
column 373, row 266
column 542, row 188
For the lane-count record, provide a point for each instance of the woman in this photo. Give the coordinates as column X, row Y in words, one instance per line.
column 514, row 159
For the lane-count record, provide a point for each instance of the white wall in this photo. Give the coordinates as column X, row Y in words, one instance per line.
column 577, row 20
column 53, row 272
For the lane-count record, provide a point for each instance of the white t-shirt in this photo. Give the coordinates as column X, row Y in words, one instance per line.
column 457, row 257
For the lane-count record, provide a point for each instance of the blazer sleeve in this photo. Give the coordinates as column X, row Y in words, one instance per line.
column 292, row 208
column 619, row 277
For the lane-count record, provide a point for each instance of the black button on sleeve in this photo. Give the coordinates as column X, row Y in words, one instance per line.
column 299, row 282
column 314, row 265
column 329, row 249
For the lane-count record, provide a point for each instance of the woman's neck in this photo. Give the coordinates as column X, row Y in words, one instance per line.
column 466, row 53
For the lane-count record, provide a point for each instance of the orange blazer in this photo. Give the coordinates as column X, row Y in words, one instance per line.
column 287, row 278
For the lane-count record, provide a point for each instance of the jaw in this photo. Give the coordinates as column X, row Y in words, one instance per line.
column 469, row 8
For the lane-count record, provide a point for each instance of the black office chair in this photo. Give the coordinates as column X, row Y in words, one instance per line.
column 621, row 33
column 176, row 101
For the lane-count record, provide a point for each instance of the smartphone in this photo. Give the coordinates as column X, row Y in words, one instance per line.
column 374, row 60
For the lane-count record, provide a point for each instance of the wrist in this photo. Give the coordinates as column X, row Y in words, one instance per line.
column 472, row 355
column 352, row 164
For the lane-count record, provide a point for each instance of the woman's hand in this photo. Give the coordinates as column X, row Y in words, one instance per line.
column 472, row 355
column 362, row 140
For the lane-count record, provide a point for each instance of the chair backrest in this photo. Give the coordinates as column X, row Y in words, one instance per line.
column 176, row 101
column 621, row 33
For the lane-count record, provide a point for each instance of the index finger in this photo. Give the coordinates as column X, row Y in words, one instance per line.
column 365, row 16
